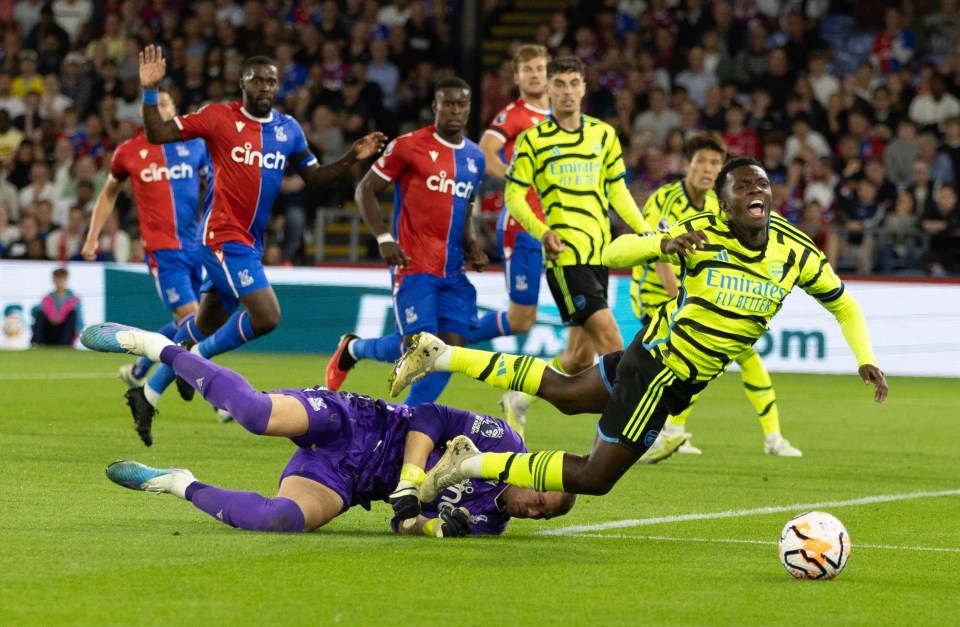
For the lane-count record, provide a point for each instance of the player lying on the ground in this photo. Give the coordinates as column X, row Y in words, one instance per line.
column 353, row 450
column 732, row 285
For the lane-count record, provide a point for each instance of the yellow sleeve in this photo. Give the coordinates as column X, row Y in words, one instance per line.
column 623, row 203
column 519, row 178
column 515, row 197
column 632, row 250
column 848, row 313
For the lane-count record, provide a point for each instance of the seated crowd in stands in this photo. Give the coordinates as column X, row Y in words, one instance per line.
column 852, row 107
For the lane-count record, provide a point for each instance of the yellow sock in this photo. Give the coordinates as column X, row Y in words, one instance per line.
column 508, row 372
column 759, row 390
column 538, row 471
column 556, row 365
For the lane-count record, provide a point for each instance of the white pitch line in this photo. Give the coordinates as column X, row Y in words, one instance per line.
column 55, row 376
column 857, row 545
column 737, row 513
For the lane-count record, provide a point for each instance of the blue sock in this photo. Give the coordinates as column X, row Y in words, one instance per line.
column 236, row 332
column 387, row 348
column 427, row 389
column 164, row 375
column 142, row 366
column 492, row 324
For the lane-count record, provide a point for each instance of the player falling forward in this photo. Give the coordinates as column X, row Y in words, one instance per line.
column 350, row 449
column 168, row 184
column 436, row 172
column 250, row 145
column 656, row 283
column 689, row 342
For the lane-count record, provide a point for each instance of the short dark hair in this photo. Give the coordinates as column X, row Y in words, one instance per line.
column 564, row 65
column 731, row 165
column 259, row 59
column 451, row 82
column 705, row 141
column 60, row 273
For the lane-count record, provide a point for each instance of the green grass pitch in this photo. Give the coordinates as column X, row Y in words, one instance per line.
column 76, row 549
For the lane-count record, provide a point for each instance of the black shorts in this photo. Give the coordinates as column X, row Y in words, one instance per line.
column 645, row 393
column 579, row 291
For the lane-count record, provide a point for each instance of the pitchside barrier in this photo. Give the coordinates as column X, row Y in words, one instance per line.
column 914, row 324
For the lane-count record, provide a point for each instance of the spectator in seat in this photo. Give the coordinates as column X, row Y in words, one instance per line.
column 59, row 317
column 941, row 222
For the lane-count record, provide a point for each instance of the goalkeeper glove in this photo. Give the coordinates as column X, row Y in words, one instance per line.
column 405, row 500
column 453, row 522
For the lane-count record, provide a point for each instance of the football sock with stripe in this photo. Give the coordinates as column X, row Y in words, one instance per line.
column 759, row 390
column 508, row 372
column 493, row 324
column 164, row 375
column 387, row 348
column 236, row 332
column 538, row 471
column 142, row 366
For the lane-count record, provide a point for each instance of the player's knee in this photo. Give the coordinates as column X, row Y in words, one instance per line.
column 264, row 323
column 521, row 320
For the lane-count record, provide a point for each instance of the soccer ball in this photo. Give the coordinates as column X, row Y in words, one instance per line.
column 814, row 545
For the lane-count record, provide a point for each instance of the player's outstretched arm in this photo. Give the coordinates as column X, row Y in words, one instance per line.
column 319, row 175
column 370, row 186
column 106, row 201
column 153, row 67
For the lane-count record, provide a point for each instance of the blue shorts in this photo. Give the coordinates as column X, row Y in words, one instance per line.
column 426, row 302
column 233, row 270
column 178, row 275
column 522, row 267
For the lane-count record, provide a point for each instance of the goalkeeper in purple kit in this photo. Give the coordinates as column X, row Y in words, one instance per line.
column 352, row 450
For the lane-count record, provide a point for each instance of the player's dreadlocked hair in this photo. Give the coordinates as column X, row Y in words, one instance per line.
column 731, row 165
column 257, row 60
column 452, row 82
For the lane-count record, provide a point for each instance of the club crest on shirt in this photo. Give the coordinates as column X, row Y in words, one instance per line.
column 281, row 136
column 172, row 295
column 486, row 427
column 317, row 403
column 776, row 270
column 182, row 150
column 471, row 165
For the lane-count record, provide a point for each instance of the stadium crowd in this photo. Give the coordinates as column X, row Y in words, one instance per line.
column 856, row 120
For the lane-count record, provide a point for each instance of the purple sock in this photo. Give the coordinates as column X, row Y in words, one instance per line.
column 247, row 510
column 221, row 388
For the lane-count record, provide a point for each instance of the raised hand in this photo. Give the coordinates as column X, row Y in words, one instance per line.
column 871, row 374
column 368, row 145
column 153, row 67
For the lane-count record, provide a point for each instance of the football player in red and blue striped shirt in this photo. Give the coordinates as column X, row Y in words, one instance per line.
column 250, row 144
